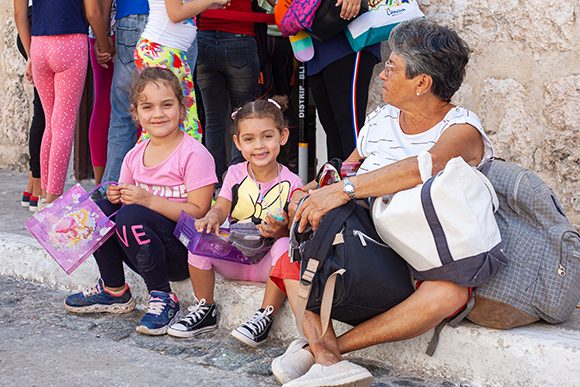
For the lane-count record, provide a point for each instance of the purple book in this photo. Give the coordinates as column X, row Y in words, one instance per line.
column 207, row 245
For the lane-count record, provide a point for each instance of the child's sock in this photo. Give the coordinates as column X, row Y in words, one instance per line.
column 118, row 293
column 302, row 46
column 25, row 202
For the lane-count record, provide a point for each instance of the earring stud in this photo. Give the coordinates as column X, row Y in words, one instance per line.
column 418, row 94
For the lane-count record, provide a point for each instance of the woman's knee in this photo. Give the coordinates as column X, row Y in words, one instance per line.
column 446, row 296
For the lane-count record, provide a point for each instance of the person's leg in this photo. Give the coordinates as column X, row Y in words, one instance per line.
column 422, row 311
column 99, row 124
column 111, row 294
column 150, row 54
column 202, row 316
column 323, row 101
column 44, row 84
column 212, row 86
column 146, row 238
column 70, row 61
column 242, row 70
column 122, row 134
column 349, row 97
column 34, row 143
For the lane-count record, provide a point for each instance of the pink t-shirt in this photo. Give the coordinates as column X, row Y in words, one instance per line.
column 254, row 200
column 189, row 167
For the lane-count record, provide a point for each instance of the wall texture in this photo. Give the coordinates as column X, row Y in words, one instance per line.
column 523, row 81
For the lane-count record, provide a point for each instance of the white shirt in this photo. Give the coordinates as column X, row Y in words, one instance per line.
column 160, row 29
column 382, row 142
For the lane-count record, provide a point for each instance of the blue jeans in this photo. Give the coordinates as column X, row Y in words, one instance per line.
column 227, row 72
column 122, row 130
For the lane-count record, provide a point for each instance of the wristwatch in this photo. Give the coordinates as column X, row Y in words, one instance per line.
column 348, row 188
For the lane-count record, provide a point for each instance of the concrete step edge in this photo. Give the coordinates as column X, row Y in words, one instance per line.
column 535, row 355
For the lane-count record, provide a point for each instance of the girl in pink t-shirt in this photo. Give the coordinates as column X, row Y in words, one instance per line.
column 254, row 191
column 169, row 173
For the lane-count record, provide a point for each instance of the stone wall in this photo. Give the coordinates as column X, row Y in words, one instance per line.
column 523, row 81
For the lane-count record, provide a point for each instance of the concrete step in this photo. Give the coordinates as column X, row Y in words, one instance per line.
column 539, row 354
column 536, row 355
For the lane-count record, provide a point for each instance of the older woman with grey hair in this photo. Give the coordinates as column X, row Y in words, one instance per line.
column 425, row 68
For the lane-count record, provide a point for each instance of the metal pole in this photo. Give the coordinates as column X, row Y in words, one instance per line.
column 302, row 122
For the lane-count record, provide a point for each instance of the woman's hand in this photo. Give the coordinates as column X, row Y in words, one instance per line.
column 319, row 202
column 131, row 194
column 219, row 4
column 209, row 223
column 350, row 8
column 114, row 194
column 273, row 228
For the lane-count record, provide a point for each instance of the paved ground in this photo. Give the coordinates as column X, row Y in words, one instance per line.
column 43, row 345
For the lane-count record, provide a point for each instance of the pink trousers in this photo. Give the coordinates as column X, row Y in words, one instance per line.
column 99, row 126
column 258, row 272
column 59, row 69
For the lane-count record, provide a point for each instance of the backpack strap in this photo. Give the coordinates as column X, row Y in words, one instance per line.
column 453, row 322
column 330, row 235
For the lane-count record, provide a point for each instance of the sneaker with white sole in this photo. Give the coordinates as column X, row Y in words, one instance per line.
column 343, row 373
column 293, row 363
column 98, row 300
column 162, row 312
column 201, row 318
column 255, row 331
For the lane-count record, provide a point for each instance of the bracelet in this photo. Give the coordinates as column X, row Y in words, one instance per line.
column 294, row 190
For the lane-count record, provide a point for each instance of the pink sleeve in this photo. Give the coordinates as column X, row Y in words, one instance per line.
column 127, row 176
column 228, row 184
column 199, row 168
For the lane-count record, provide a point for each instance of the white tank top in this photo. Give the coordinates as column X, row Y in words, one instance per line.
column 160, row 29
column 382, row 142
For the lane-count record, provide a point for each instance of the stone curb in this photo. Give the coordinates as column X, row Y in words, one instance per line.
column 538, row 355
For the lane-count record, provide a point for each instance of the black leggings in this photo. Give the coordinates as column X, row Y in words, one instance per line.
column 334, row 89
column 144, row 241
column 36, row 127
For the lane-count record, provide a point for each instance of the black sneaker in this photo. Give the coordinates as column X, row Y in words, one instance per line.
column 201, row 318
column 255, row 331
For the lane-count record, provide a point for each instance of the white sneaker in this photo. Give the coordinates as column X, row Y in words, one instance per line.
column 343, row 373
column 293, row 363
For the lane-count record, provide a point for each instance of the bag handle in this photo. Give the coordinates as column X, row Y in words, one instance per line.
column 332, row 222
column 325, row 305
column 95, row 188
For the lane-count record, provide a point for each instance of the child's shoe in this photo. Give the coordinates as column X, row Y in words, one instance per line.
column 33, row 204
column 201, row 318
column 99, row 300
column 162, row 312
column 255, row 331
column 25, row 201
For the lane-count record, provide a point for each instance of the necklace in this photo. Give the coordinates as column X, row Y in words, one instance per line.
column 262, row 198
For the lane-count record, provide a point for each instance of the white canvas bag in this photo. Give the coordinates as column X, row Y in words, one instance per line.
column 445, row 228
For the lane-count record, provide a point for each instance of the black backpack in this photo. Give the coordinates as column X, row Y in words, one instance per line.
column 345, row 272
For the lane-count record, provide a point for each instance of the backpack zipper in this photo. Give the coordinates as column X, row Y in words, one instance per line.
column 364, row 238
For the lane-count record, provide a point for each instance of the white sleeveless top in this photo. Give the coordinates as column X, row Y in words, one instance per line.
column 382, row 142
column 160, row 29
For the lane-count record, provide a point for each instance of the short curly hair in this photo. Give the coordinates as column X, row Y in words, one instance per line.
column 432, row 49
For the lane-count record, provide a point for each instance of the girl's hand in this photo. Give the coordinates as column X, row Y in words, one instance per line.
column 114, row 194
column 296, row 196
column 209, row 223
column 131, row 194
column 219, row 4
column 28, row 72
column 350, row 8
column 273, row 228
